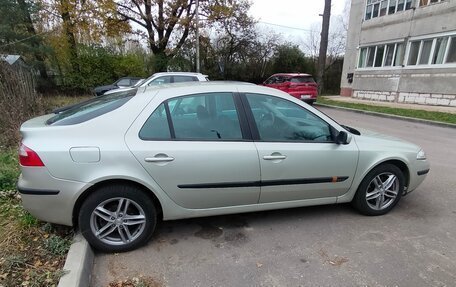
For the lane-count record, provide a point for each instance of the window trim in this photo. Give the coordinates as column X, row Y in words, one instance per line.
column 433, row 37
column 256, row 134
column 379, row 2
column 396, row 43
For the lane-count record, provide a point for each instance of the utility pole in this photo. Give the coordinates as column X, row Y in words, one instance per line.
column 323, row 44
column 197, row 38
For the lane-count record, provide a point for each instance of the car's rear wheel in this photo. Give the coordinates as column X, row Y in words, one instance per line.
column 117, row 218
column 380, row 190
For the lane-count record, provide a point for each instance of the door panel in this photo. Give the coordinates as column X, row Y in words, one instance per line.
column 298, row 157
column 309, row 170
column 202, row 161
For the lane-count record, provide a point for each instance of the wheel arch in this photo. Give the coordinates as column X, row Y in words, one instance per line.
column 399, row 164
column 81, row 198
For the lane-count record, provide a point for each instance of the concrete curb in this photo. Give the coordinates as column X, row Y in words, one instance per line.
column 78, row 264
column 429, row 122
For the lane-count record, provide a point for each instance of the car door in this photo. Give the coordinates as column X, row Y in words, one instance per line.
column 298, row 156
column 193, row 146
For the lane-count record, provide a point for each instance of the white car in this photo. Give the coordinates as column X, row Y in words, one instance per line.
column 165, row 78
column 117, row 164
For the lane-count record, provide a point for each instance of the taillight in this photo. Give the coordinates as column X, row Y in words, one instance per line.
column 28, row 157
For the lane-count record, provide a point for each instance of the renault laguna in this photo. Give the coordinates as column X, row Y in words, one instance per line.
column 116, row 164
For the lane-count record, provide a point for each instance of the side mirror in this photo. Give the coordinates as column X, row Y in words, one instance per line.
column 343, row 138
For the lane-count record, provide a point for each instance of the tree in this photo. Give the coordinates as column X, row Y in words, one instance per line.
column 18, row 34
column 81, row 21
column 167, row 24
column 289, row 58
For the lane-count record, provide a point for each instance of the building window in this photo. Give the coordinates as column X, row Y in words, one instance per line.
column 387, row 55
column 378, row 8
column 429, row 2
column 432, row 51
column 451, row 57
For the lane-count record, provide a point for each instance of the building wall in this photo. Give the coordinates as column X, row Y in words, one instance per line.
column 411, row 84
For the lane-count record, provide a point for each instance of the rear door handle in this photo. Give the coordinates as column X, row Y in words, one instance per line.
column 158, row 159
column 274, row 157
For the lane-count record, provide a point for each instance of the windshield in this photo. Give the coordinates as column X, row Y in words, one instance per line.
column 90, row 109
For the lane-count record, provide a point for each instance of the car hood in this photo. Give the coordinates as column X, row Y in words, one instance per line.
column 369, row 137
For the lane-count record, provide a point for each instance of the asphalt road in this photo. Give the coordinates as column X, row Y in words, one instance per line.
column 414, row 245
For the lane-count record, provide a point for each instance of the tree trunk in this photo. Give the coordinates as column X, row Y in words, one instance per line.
column 323, row 45
column 69, row 32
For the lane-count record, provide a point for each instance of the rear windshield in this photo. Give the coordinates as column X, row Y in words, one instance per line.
column 302, row 79
column 90, row 109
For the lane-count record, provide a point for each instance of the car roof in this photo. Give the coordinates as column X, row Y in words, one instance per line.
column 178, row 74
column 194, row 84
column 292, row 74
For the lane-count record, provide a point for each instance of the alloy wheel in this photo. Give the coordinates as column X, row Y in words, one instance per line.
column 118, row 221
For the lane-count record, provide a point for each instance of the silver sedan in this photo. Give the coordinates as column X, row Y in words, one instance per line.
column 116, row 165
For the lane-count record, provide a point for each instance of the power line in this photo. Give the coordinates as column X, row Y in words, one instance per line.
column 287, row 27
column 25, row 39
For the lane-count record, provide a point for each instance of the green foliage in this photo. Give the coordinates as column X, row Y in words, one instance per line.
column 27, row 220
column 57, row 245
column 9, row 170
column 289, row 58
column 99, row 65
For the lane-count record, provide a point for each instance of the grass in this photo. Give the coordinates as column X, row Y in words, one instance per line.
column 418, row 114
column 32, row 253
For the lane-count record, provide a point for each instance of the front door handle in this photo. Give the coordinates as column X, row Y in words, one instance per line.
column 159, row 159
column 274, row 157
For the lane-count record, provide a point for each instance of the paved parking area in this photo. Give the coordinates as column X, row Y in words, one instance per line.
column 414, row 245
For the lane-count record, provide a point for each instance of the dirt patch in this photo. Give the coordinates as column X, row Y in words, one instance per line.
column 209, row 231
column 236, row 238
column 146, row 281
column 333, row 261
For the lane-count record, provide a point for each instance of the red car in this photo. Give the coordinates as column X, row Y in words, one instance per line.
column 301, row 86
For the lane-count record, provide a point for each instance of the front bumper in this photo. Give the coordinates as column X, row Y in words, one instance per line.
column 48, row 198
column 418, row 173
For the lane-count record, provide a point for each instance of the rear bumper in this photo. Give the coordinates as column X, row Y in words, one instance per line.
column 307, row 96
column 48, row 198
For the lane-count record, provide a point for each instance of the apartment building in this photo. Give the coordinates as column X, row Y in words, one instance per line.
column 401, row 51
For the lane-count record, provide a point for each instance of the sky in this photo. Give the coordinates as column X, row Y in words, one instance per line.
column 303, row 14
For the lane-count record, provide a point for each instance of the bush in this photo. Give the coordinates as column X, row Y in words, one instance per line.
column 100, row 66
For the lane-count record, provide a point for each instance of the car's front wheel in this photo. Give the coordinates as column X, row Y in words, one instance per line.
column 117, row 218
column 380, row 190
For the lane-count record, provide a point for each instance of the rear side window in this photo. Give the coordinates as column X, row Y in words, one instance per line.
column 209, row 116
column 301, row 79
column 179, row 79
column 90, row 109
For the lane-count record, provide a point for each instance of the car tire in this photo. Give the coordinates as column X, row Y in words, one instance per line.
column 117, row 218
column 380, row 190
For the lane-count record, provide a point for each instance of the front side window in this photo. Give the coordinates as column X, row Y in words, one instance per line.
column 284, row 121
column 123, row 82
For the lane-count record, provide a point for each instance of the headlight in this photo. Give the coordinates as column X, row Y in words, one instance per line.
column 421, row 155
